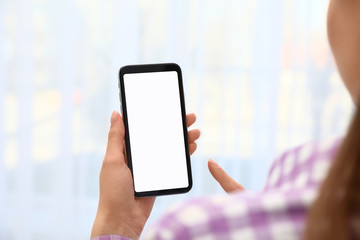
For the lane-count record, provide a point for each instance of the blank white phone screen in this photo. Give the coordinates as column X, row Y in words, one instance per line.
column 155, row 131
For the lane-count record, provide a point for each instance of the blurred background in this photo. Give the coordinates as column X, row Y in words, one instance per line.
column 258, row 74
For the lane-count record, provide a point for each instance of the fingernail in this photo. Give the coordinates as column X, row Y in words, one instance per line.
column 213, row 162
column 114, row 117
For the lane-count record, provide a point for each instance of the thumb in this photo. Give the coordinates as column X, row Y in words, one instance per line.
column 227, row 183
column 115, row 144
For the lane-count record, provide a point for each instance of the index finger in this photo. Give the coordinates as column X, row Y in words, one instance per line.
column 226, row 182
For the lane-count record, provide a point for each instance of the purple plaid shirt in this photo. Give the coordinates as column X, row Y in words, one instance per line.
column 277, row 212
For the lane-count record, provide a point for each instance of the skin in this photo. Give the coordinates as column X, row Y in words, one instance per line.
column 344, row 37
column 120, row 213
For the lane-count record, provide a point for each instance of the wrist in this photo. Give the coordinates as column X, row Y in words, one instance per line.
column 104, row 226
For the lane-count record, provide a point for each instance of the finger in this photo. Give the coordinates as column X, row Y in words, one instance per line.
column 192, row 147
column 190, row 119
column 226, row 182
column 193, row 135
column 115, row 144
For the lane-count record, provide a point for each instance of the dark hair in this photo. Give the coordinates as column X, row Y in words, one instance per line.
column 333, row 214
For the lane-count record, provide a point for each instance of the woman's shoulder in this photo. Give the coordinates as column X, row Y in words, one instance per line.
column 303, row 166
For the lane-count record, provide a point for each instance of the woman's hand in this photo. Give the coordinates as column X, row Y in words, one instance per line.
column 226, row 182
column 119, row 212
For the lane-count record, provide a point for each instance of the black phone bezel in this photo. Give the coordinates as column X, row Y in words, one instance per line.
column 145, row 68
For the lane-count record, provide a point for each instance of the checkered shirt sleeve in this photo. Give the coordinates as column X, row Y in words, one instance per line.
column 110, row 237
column 278, row 212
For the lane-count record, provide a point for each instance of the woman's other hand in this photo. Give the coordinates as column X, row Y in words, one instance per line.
column 227, row 183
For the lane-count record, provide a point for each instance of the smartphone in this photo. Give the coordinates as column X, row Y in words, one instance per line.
column 156, row 141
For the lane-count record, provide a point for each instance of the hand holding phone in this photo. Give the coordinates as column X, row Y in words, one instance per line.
column 119, row 212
